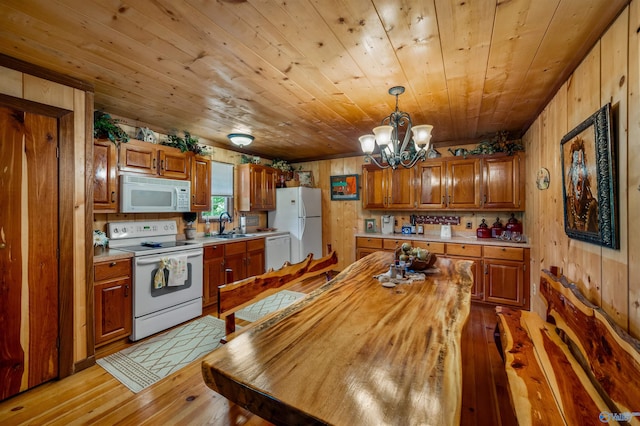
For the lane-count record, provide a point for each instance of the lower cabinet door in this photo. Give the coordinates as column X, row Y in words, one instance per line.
column 477, row 291
column 504, row 282
column 113, row 310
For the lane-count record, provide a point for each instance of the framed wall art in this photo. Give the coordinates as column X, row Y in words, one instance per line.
column 345, row 187
column 305, row 178
column 589, row 180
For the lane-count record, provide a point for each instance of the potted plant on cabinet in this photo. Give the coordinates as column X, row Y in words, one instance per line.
column 105, row 127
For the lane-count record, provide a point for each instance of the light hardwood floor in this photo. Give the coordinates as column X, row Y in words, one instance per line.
column 94, row 397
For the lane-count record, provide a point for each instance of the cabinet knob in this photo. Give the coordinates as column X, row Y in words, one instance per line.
column 3, row 245
column 154, row 164
column 113, row 196
column 112, row 264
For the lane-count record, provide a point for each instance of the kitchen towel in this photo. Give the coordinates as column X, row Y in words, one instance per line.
column 158, row 279
column 177, row 266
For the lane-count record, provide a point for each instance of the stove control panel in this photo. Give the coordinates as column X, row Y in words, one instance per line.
column 150, row 228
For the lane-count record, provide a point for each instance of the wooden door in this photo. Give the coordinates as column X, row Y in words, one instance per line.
column 200, row 184
column 463, row 184
column 28, row 250
column 501, row 184
column 373, row 188
column 105, row 184
column 257, row 185
column 400, row 188
column 431, row 183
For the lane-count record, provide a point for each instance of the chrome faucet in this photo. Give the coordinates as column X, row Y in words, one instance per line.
column 221, row 223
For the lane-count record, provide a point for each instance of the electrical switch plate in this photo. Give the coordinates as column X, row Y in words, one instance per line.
column 534, row 289
column 468, row 225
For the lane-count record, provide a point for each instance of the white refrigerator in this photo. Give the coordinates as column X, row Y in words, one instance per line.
column 299, row 211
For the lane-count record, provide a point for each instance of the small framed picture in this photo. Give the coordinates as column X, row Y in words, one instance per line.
column 305, row 178
column 370, row 225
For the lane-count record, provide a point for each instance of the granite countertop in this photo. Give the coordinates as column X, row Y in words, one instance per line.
column 110, row 254
column 457, row 239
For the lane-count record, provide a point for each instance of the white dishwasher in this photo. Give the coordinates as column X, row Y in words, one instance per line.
column 277, row 251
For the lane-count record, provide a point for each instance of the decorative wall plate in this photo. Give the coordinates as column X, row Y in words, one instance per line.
column 542, row 179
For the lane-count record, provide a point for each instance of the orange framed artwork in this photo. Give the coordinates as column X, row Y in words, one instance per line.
column 345, row 187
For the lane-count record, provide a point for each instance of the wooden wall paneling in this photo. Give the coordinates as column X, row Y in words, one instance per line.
column 614, row 72
column 633, row 177
column 10, row 82
column 47, row 92
column 584, row 264
column 84, row 104
column 534, row 220
column 339, row 227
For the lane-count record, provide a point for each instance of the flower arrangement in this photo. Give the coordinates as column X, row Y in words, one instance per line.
column 499, row 143
column 100, row 239
column 282, row 165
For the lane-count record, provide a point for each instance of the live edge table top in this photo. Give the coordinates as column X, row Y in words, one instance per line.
column 354, row 352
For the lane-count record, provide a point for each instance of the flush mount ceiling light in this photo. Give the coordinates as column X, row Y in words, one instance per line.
column 393, row 153
column 240, row 139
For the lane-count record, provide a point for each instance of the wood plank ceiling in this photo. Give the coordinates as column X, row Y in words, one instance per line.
column 307, row 77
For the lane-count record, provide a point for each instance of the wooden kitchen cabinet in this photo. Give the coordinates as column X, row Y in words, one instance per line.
column 256, row 187
column 255, row 257
column 387, row 188
column 154, row 160
column 213, row 274
column 113, row 308
column 200, row 184
column 503, row 183
column 367, row 245
column 463, row 184
column 105, row 178
column 431, row 185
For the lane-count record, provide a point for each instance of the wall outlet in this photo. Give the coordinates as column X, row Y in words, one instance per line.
column 534, row 290
column 468, row 225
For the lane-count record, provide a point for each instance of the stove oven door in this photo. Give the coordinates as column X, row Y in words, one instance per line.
column 164, row 306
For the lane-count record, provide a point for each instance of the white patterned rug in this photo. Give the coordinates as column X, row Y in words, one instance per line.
column 147, row 362
column 273, row 303
column 142, row 365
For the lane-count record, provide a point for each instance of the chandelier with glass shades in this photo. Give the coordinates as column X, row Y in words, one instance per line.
column 387, row 136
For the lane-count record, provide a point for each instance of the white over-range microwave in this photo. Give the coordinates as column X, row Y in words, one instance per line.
column 154, row 195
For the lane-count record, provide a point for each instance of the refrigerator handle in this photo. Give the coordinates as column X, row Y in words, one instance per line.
column 303, row 208
column 304, row 225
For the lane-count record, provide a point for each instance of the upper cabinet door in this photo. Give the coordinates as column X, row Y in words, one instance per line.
column 431, row 185
column 139, row 157
column 463, row 186
column 174, row 164
column 105, row 182
column 373, row 187
column 400, row 188
column 200, row 184
column 503, row 183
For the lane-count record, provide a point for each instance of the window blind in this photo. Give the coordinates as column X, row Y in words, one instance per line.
column 221, row 179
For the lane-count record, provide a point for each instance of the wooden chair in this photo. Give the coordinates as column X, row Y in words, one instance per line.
column 234, row 296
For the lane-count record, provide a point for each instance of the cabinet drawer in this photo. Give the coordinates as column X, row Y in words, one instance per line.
column 216, row 250
column 235, row 248
column 433, row 247
column 470, row 250
column 375, row 243
column 391, row 244
column 255, row 244
column 106, row 270
column 507, row 253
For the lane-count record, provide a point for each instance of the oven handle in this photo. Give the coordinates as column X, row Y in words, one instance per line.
column 156, row 259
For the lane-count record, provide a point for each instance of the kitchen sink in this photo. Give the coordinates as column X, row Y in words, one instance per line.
column 231, row 236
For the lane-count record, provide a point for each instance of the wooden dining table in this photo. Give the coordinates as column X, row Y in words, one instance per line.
column 354, row 352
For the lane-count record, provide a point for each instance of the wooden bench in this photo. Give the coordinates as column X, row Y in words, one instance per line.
column 237, row 295
column 577, row 367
